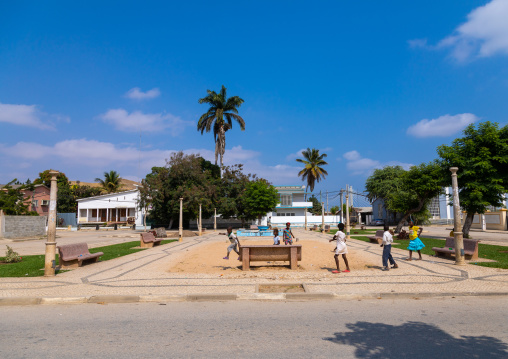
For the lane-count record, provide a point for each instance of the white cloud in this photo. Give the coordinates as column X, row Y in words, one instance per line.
column 294, row 156
column 147, row 122
column 136, row 94
column 23, row 115
column 484, row 34
column 359, row 165
column 442, row 126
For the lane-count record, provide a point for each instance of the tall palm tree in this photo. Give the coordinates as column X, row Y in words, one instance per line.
column 220, row 117
column 312, row 171
column 111, row 182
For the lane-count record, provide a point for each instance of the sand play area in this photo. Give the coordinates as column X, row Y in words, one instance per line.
column 316, row 256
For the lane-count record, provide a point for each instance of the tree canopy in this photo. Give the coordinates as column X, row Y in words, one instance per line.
column 260, row 198
column 111, row 182
column 313, row 171
column 482, row 158
column 12, row 200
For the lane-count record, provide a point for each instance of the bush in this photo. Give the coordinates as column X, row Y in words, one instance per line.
column 11, row 256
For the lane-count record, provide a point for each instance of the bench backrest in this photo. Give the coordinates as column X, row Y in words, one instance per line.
column 147, row 237
column 380, row 233
column 73, row 250
column 469, row 244
column 272, row 252
column 450, row 242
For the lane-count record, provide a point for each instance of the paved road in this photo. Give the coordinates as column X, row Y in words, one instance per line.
column 427, row 328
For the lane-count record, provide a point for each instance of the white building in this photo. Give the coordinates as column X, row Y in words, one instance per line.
column 292, row 207
column 112, row 207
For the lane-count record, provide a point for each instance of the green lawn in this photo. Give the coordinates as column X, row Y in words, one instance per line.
column 358, row 231
column 31, row 266
column 497, row 253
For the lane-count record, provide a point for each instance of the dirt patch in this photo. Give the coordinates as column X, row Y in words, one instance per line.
column 281, row 288
column 316, row 256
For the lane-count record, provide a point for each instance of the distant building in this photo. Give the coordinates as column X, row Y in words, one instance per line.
column 111, row 207
column 36, row 200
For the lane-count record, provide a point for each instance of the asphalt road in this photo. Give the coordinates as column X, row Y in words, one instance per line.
column 427, row 328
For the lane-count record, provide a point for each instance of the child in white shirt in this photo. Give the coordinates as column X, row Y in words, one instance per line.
column 387, row 244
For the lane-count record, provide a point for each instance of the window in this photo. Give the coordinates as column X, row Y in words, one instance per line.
column 286, row 200
column 35, row 203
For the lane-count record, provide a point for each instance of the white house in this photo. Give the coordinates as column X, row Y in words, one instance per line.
column 292, row 207
column 112, row 207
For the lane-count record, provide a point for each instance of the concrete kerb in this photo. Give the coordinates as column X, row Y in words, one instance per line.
column 223, row 297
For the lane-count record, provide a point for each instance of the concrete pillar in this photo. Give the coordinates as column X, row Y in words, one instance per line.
column 482, row 222
column 180, row 228
column 457, row 233
column 305, row 218
column 49, row 259
column 348, row 235
column 199, row 223
column 322, row 216
column 215, row 219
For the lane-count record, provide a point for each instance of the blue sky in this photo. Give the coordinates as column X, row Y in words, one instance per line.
column 98, row 86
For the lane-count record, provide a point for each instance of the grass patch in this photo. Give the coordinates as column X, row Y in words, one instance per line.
column 496, row 253
column 31, row 266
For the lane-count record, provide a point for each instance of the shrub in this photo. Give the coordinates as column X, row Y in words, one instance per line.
column 11, row 256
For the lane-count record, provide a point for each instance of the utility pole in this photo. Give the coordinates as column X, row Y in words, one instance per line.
column 322, row 217
column 49, row 259
column 327, row 209
column 305, row 218
column 180, row 228
column 347, row 212
column 341, row 206
column 320, row 199
column 457, row 233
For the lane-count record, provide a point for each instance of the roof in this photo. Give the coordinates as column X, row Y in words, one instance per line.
column 126, row 184
column 107, row 195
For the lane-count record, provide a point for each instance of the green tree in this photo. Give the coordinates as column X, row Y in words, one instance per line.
column 219, row 117
column 111, row 182
column 482, row 158
column 260, row 198
column 334, row 210
column 406, row 192
column 12, row 201
column 316, row 206
column 65, row 201
column 313, row 171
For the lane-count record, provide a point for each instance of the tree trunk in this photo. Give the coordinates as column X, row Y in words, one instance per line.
column 467, row 224
column 259, row 220
column 401, row 223
column 170, row 223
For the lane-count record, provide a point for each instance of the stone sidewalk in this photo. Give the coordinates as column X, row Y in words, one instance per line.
column 144, row 276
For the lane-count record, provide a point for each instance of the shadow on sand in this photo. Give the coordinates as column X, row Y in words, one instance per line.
column 416, row 340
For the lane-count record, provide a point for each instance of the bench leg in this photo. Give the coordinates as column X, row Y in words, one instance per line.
column 294, row 258
column 245, row 259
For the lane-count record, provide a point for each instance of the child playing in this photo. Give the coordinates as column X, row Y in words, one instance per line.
column 276, row 238
column 287, row 234
column 341, row 248
column 415, row 244
column 234, row 242
column 387, row 244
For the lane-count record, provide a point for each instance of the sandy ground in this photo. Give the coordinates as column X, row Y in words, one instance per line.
column 316, row 256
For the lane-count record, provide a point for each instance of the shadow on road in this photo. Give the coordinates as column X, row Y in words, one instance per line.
column 416, row 340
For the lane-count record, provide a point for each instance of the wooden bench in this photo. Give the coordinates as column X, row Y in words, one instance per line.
column 327, row 228
column 264, row 253
column 377, row 238
column 470, row 248
column 148, row 240
column 73, row 255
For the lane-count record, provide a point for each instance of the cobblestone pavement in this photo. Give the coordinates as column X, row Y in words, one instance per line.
column 145, row 273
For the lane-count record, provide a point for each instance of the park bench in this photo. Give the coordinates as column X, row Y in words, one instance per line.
column 73, row 255
column 470, row 248
column 377, row 238
column 327, row 228
column 264, row 253
column 148, row 240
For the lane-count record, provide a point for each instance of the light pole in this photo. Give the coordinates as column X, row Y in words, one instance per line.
column 200, row 224
column 49, row 259
column 215, row 220
column 322, row 216
column 457, row 233
column 347, row 213
column 305, row 218
column 180, row 228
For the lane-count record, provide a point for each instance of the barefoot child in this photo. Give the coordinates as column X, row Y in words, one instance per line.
column 415, row 244
column 234, row 242
column 387, row 249
column 276, row 238
column 287, row 235
column 340, row 249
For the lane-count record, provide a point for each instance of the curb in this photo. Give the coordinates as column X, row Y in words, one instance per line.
column 272, row 297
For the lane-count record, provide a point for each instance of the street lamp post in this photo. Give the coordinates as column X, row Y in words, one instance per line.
column 457, row 233
column 49, row 259
column 305, row 218
column 180, row 228
column 200, row 224
column 215, row 220
column 347, row 213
